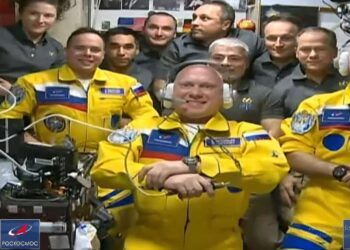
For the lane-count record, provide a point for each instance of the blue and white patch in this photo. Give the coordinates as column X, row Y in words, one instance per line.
column 19, row 92
column 333, row 142
column 336, row 115
column 302, row 122
column 121, row 136
column 166, row 139
column 112, row 91
column 55, row 124
column 138, row 90
column 256, row 135
column 247, row 103
column 226, row 141
column 57, row 93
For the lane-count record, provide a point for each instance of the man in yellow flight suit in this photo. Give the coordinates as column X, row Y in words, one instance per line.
column 80, row 90
column 188, row 153
column 316, row 143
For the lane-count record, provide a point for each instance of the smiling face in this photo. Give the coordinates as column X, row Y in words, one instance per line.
column 230, row 61
column 84, row 54
column 37, row 18
column 160, row 30
column 201, row 87
column 315, row 51
column 280, row 40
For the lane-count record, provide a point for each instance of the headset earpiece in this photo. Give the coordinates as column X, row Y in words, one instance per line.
column 227, row 97
column 343, row 63
column 166, row 95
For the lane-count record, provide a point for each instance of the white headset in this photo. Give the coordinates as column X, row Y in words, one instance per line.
column 166, row 94
column 343, row 63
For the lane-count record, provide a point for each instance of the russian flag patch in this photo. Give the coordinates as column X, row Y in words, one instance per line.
column 257, row 135
column 138, row 90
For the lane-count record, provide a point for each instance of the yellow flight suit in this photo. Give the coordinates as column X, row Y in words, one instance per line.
column 59, row 91
column 320, row 127
column 241, row 153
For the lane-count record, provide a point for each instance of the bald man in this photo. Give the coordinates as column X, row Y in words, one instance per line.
column 174, row 167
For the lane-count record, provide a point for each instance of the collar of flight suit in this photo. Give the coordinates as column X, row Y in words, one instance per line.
column 217, row 123
column 66, row 74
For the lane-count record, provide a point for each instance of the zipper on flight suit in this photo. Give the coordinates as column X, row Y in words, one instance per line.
column 187, row 222
column 87, row 111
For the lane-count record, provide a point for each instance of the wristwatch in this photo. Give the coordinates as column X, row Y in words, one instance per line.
column 339, row 172
column 191, row 162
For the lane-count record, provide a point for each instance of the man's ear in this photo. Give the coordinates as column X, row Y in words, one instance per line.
column 226, row 25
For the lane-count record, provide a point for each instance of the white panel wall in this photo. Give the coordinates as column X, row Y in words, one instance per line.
column 327, row 20
column 74, row 18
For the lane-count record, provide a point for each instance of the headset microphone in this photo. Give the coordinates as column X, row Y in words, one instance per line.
column 177, row 100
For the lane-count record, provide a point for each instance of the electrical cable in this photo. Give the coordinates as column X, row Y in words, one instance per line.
column 17, row 165
column 223, row 148
column 132, row 178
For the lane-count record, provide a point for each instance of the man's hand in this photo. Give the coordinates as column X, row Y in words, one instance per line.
column 289, row 189
column 189, row 185
column 346, row 178
column 5, row 84
column 158, row 172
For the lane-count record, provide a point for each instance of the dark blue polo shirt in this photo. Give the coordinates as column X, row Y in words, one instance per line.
column 292, row 90
column 248, row 102
column 148, row 58
column 184, row 48
column 20, row 56
column 265, row 72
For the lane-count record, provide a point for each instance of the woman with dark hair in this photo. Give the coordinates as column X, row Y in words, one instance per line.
column 26, row 46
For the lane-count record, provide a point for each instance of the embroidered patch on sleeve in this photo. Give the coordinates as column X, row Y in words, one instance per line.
column 302, row 122
column 138, row 90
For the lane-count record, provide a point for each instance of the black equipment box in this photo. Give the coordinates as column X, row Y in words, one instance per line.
column 53, row 214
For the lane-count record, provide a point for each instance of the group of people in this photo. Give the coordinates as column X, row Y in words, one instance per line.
column 255, row 125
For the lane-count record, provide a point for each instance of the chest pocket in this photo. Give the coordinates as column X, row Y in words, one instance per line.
column 107, row 101
column 112, row 96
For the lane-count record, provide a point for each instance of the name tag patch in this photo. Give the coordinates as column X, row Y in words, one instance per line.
column 336, row 115
column 57, row 93
column 156, row 137
column 112, row 91
column 228, row 141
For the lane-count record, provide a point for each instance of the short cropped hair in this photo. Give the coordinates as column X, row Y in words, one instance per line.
column 230, row 42
column 332, row 38
column 82, row 30
column 121, row 31
column 160, row 13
